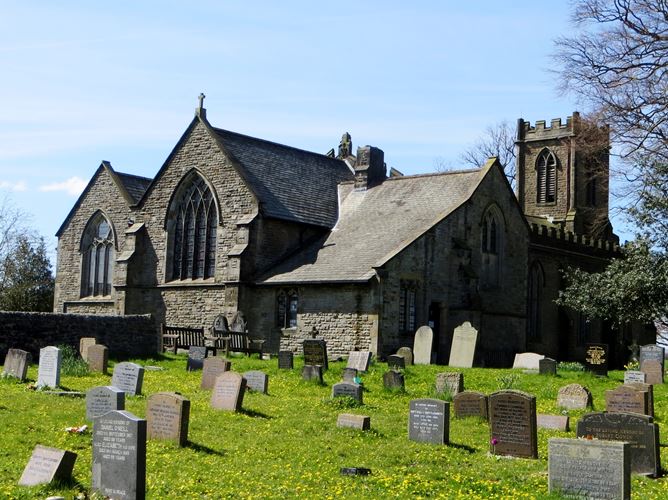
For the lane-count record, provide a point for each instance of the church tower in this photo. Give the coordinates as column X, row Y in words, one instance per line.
column 563, row 175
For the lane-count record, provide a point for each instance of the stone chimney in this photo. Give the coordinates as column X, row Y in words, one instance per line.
column 369, row 167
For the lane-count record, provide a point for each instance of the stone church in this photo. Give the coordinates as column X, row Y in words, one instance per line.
column 300, row 241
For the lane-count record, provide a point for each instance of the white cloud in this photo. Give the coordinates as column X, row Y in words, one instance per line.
column 19, row 186
column 72, row 186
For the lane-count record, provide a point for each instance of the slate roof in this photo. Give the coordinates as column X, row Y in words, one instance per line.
column 376, row 224
column 134, row 185
column 291, row 184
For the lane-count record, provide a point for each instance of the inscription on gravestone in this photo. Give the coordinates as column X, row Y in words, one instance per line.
column 512, row 421
column 16, row 363
column 632, row 376
column 422, row 345
column 103, row 399
column 359, row 360
column 407, row 354
column 464, row 340
column 449, row 383
column 652, row 359
column 347, row 389
column 626, row 399
column 196, row 356
column 286, row 360
column 128, row 377
column 50, row 359
column 429, row 421
column 47, row 464
column 167, row 417
column 212, row 368
column 470, row 404
column 574, row 397
column 315, row 352
column 98, row 356
column 393, row 380
column 228, row 392
column 257, row 381
column 596, row 359
column 84, row 344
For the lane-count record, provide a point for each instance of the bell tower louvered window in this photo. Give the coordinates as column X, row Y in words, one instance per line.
column 546, row 177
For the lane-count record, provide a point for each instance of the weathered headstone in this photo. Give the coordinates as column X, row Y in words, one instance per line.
column 196, row 357
column 393, row 380
column 286, row 360
column 512, row 423
column 596, row 359
column 649, row 388
column 84, row 344
column 451, row 383
column 167, row 417
column 98, row 358
column 527, row 360
column 48, row 373
column 470, row 404
column 128, row 377
column 429, row 421
column 103, row 399
column 574, row 397
column 547, row 366
column 47, row 464
column 589, row 468
column 359, row 360
column 554, row 422
column 360, row 422
column 638, row 430
column 407, row 354
column 16, row 363
column 212, row 367
column 626, row 399
column 257, row 381
column 349, row 374
column 119, row 455
column 652, row 359
column 396, row 362
column 315, row 353
column 422, row 345
column 312, row 372
column 347, row 389
column 632, row 376
column 464, row 341
column 228, row 392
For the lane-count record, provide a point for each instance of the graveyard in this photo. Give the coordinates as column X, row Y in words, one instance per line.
column 287, row 437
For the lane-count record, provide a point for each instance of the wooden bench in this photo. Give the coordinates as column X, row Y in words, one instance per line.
column 242, row 342
column 175, row 337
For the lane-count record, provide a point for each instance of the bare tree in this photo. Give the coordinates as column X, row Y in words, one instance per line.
column 498, row 140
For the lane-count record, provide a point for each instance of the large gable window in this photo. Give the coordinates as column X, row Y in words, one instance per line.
column 97, row 248
column 546, row 173
column 193, row 229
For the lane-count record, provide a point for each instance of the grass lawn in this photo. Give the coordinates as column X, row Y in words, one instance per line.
column 286, row 444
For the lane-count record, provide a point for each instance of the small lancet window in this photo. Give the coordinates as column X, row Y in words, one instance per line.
column 546, row 174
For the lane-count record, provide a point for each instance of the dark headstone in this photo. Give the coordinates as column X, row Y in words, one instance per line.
column 359, row 422
column 655, row 355
column 167, row 417
column 128, row 377
column 48, row 373
column 16, row 363
column 429, row 421
column 554, row 422
column 315, row 353
column 589, row 468
column 349, row 374
column 633, row 376
column 355, row 471
column 312, row 372
column 396, row 362
column 257, row 381
column 512, row 423
column 212, row 367
column 596, row 359
column 393, row 380
column 196, row 357
column 451, row 383
column 47, row 464
column 347, row 389
column 626, row 399
column 407, row 354
column 574, row 397
column 638, row 430
column 84, row 344
column 98, row 358
column 119, row 455
column 470, row 404
column 359, row 360
column 103, row 399
column 547, row 366
column 286, row 360
column 228, row 392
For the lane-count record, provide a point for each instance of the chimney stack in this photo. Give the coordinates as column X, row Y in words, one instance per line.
column 369, row 167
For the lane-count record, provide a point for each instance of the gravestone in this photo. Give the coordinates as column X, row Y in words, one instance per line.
column 547, row 366
column 407, row 354
column 315, row 353
column 312, row 372
column 589, row 468
column 554, row 422
column 470, row 404
column 220, row 324
column 574, row 397
column 429, row 421
column 638, row 430
column 596, row 359
column 167, row 417
column 228, row 392
column 347, row 389
column 257, row 381
column 649, row 388
column 449, row 383
column 16, row 363
column 84, row 344
column 103, row 399
column 359, row 422
column 512, row 423
column 98, row 358
column 652, row 359
column 286, row 360
column 349, row 374
column 422, row 345
column 359, row 360
column 626, row 399
column 632, row 376
column 527, row 360
column 464, row 341
column 196, row 357
column 212, row 367
column 119, row 455
column 48, row 374
column 128, row 377
column 47, row 464
column 393, row 380
column 396, row 362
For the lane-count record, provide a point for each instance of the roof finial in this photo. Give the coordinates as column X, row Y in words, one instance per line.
column 201, row 100
column 200, row 111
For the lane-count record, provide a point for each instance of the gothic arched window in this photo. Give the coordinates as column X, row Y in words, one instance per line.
column 287, row 304
column 97, row 248
column 546, row 177
column 491, row 246
column 193, row 228
column 536, row 284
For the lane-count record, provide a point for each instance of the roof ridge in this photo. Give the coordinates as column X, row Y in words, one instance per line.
column 134, row 176
column 434, row 174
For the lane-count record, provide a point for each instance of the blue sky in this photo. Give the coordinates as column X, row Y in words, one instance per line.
column 84, row 82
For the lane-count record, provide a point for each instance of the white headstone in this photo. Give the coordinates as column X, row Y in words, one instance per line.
column 424, row 338
column 462, row 351
column 48, row 374
column 527, row 360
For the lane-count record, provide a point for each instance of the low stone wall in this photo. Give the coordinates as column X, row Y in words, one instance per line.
column 125, row 336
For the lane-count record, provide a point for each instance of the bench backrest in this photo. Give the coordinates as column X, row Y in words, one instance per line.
column 187, row 336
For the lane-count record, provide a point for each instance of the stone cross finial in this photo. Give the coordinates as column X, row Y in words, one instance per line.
column 345, row 146
column 201, row 100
